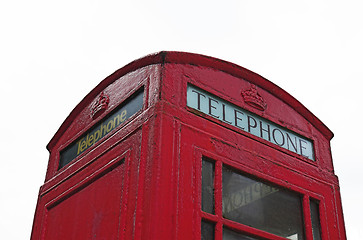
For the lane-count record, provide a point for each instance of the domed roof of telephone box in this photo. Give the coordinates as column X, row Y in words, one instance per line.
column 184, row 58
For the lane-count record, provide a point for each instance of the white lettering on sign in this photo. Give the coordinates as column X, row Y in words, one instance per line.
column 249, row 122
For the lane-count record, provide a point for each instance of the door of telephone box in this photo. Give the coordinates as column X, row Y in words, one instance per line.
column 95, row 202
column 239, row 191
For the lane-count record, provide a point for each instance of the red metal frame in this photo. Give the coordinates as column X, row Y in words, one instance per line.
column 154, row 158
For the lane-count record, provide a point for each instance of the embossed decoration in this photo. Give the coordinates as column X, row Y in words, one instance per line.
column 254, row 99
column 100, row 105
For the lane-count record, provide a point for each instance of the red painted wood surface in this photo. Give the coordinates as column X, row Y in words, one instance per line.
column 143, row 181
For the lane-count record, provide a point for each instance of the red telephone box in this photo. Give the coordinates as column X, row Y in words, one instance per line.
column 184, row 146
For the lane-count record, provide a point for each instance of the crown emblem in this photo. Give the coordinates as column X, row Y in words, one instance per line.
column 100, row 105
column 254, row 99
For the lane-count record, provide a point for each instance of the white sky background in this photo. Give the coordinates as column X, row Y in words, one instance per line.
column 52, row 53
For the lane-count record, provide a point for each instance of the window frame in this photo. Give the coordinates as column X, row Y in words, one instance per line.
column 220, row 222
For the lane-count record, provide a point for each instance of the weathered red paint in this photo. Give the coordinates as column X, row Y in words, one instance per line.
column 143, row 180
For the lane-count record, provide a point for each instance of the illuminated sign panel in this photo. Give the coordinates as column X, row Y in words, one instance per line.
column 101, row 129
column 233, row 115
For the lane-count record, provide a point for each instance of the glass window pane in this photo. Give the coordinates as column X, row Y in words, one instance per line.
column 315, row 222
column 262, row 206
column 231, row 235
column 207, row 230
column 208, row 186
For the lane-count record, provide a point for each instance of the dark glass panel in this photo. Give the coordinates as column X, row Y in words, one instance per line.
column 208, row 186
column 315, row 221
column 207, row 230
column 262, row 206
column 232, row 235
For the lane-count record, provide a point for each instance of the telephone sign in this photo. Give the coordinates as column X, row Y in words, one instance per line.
column 249, row 122
column 104, row 127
